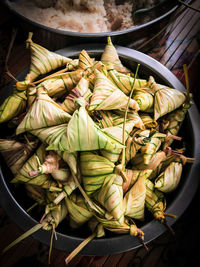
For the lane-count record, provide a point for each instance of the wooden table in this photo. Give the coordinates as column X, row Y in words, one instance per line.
column 178, row 46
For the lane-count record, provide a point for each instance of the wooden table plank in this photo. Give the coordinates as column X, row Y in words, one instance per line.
column 181, row 39
column 176, row 28
column 184, row 46
column 99, row 261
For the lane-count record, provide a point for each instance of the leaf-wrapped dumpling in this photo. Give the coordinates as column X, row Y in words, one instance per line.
column 43, row 180
column 43, row 113
column 42, row 61
column 110, row 55
column 169, row 179
column 16, row 153
column 110, row 195
column 13, row 105
column 106, row 96
column 165, row 99
column 134, row 199
column 81, row 90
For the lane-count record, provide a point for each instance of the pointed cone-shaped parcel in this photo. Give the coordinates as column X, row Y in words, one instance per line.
column 165, row 99
column 43, row 113
column 85, row 60
column 32, row 163
column 168, row 180
column 13, row 105
column 110, row 55
column 106, row 96
column 124, row 82
column 43, row 60
column 81, row 90
column 94, row 170
column 16, row 153
column 80, row 134
column 134, row 200
column 110, row 196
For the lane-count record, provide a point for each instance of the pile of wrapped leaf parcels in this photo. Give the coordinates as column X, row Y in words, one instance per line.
column 92, row 141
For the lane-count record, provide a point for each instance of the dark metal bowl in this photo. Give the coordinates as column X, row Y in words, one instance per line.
column 134, row 36
column 14, row 201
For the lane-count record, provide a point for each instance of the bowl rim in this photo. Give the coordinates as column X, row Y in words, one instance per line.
column 152, row 229
column 94, row 35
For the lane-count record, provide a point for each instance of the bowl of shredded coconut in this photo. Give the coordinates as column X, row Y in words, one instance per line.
column 95, row 19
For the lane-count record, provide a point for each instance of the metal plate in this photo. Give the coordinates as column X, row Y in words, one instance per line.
column 101, row 34
column 178, row 201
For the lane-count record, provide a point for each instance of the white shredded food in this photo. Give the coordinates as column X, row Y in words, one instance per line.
column 81, row 15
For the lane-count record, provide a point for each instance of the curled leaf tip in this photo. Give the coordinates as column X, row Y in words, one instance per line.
column 29, row 40
column 109, row 40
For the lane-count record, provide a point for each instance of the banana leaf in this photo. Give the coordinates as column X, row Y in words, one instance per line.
column 57, row 85
column 112, row 155
column 56, row 216
column 106, row 96
column 155, row 201
column 62, row 83
column 124, row 82
column 148, row 121
column 134, row 199
column 145, row 99
column 132, row 116
column 96, row 227
column 114, row 118
column 132, row 177
column 66, row 176
column 16, row 153
column 13, row 105
column 131, row 149
column 72, row 65
column 165, row 99
column 81, row 90
column 94, row 170
column 49, row 166
column 174, row 121
column 80, row 134
column 152, row 146
column 62, row 175
column 168, row 180
column 89, row 73
column 59, row 170
column 133, row 144
column 110, row 196
column 116, row 132
column 70, row 159
column 42, row 60
column 69, row 186
column 93, row 165
column 154, row 163
column 49, row 135
column 110, row 55
column 108, row 119
column 42, row 180
column 85, row 60
column 31, row 93
column 115, row 226
column 50, row 205
column 50, row 222
column 79, row 212
column 54, row 165
column 43, row 113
